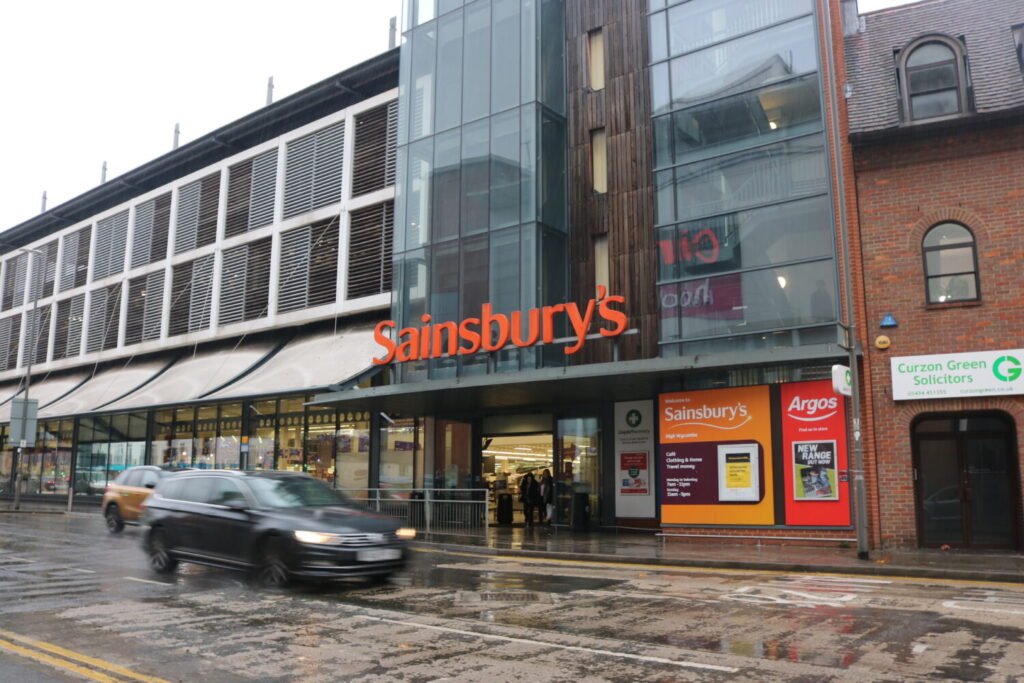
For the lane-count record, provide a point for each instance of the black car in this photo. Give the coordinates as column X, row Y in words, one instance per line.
column 276, row 525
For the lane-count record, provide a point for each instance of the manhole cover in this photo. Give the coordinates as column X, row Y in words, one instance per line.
column 504, row 596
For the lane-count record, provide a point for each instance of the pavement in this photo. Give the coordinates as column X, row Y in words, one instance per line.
column 647, row 548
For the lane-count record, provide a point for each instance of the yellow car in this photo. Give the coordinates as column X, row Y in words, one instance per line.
column 123, row 498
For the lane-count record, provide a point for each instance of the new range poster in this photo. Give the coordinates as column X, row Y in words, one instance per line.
column 635, row 424
column 814, row 440
column 714, row 457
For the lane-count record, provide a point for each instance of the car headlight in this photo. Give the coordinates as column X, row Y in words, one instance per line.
column 406, row 533
column 315, row 537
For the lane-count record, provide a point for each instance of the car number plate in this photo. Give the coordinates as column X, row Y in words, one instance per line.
column 379, row 555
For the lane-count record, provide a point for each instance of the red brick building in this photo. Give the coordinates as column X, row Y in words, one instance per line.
column 935, row 96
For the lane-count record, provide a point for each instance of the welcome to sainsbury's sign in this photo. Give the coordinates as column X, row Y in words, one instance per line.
column 493, row 331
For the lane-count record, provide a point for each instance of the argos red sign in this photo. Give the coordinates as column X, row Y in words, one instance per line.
column 493, row 331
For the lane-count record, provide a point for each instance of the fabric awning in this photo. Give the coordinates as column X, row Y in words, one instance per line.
column 106, row 386
column 308, row 363
column 45, row 390
column 194, row 376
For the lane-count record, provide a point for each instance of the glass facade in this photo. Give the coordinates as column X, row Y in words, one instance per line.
column 481, row 212
column 743, row 212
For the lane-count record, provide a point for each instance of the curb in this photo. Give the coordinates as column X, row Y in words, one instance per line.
column 867, row 569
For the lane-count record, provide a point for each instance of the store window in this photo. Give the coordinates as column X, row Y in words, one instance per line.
column 262, row 435
column 206, row 437
column 401, row 454
column 578, row 475
column 229, row 436
column 352, row 451
column 933, row 80
column 292, row 417
column 950, row 264
column 181, row 441
column 320, row 435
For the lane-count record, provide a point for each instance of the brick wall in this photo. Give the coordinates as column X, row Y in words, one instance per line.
column 904, row 188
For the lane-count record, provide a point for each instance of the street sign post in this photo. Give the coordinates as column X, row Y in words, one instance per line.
column 24, row 413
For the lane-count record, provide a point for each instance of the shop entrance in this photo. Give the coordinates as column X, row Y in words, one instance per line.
column 966, row 480
column 507, row 460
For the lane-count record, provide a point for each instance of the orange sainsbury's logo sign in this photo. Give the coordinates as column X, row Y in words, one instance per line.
column 493, row 331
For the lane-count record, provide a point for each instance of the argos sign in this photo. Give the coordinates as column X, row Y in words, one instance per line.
column 812, row 409
column 493, row 331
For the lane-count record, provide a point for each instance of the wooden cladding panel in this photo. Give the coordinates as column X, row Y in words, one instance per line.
column 625, row 213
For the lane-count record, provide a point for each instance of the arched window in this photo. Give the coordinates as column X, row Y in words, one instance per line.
column 950, row 264
column 933, row 79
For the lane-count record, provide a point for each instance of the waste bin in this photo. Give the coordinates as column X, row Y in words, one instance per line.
column 417, row 517
column 580, row 518
column 504, row 514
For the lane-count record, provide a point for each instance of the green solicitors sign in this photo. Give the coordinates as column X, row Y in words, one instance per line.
column 955, row 375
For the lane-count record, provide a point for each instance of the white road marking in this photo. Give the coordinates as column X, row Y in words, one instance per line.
column 155, row 583
column 84, row 571
column 953, row 604
column 20, row 559
column 575, row 648
column 919, row 648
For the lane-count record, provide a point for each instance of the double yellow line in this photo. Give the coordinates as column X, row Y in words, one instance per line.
column 71, row 661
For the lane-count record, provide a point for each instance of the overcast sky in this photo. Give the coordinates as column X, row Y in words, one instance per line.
column 88, row 81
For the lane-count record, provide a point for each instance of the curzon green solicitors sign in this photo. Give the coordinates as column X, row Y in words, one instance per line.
column 954, row 375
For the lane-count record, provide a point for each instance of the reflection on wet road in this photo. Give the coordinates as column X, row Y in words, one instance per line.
column 460, row 616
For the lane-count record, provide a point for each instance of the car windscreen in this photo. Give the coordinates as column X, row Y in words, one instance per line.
column 293, row 492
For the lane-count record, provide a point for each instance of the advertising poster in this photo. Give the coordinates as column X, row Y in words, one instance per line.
column 714, row 456
column 814, row 468
column 635, row 425
column 814, row 439
column 634, row 474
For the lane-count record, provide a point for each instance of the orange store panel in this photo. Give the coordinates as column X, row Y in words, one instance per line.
column 715, row 457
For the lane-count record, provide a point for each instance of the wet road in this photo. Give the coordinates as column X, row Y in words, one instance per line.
column 77, row 603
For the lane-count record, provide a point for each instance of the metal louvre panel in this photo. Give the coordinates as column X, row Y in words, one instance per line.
column 111, row 238
column 209, row 201
column 257, row 279
column 14, row 282
column 97, row 320
column 239, row 189
column 67, row 262
column 298, row 175
column 136, row 310
column 369, row 250
column 264, row 182
column 181, row 288
column 161, row 228
column 154, row 306
column 68, row 339
column 327, row 171
column 80, row 267
column 294, row 269
column 232, row 285
column 142, row 235
column 10, row 333
column 39, row 327
column 323, row 265
column 48, row 261
column 391, row 144
column 188, row 217
column 202, row 294
column 369, row 153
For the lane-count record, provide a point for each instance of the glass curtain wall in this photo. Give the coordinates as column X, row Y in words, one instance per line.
column 481, row 195
column 107, row 446
column 746, row 236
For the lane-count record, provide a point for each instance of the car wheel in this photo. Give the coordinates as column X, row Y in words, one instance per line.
column 160, row 559
column 113, row 518
column 271, row 569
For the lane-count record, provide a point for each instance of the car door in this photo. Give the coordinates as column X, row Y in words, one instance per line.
column 136, row 491
column 227, row 523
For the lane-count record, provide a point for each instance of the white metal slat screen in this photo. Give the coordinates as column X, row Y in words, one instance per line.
column 313, row 170
column 10, row 339
column 309, row 266
column 74, row 265
column 373, row 154
column 104, row 317
column 369, row 251
column 251, row 185
column 47, row 261
column 145, row 301
column 191, row 290
column 14, row 282
column 152, row 221
column 39, row 328
column 68, row 337
column 244, row 285
column 111, row 239
column 197, row 213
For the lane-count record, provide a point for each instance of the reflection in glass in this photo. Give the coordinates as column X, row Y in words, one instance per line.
column 400, row 454
column 693, row 25
column 352, row 452
column 578, row 475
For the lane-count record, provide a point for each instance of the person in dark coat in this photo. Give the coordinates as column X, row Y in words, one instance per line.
column 547, row 497
column 529, row 494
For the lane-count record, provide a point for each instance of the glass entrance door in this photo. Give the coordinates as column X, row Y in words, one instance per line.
column 507, row 460
column 578, row 471
column 967, row 481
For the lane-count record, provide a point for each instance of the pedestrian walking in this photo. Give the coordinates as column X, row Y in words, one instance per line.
column 529, row 494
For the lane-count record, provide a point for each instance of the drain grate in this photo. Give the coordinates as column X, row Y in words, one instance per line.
column 520, row 597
